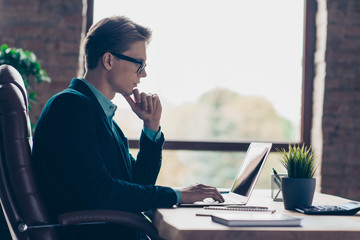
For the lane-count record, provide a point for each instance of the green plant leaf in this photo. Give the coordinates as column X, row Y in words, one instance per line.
column 27, row 65
column 300, row 162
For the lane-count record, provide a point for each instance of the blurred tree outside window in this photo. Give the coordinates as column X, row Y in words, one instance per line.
column 225, row 71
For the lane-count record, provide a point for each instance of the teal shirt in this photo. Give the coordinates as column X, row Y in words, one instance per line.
column 110, row 108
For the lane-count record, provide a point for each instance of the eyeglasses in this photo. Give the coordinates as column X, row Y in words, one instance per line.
column 130, row 59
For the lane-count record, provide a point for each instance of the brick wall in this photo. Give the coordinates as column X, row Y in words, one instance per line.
column 52, row 30
column 337, row 96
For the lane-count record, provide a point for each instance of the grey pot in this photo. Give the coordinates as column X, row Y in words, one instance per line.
column 297, row 191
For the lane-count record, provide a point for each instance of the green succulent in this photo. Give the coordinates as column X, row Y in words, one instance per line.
column 300, row 162
column 27, row 65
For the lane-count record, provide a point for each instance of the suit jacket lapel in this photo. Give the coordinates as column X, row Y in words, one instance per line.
column 82, row 88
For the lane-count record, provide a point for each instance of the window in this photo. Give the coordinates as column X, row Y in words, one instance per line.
column 227, row 72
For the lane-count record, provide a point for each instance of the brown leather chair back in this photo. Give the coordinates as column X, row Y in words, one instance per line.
column 19, row 196
column 20, row 199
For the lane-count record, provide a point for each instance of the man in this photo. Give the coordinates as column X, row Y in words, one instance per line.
column 81, row 156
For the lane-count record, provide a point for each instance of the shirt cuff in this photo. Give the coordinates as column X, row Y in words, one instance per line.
column 178, row 195
column 152, row 135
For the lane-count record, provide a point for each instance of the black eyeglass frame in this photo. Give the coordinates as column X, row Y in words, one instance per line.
column 130, row 59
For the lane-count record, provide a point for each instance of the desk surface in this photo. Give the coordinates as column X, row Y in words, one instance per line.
column 182, row 223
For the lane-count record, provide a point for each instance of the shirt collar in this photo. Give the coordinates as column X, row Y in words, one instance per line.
column 108, row 107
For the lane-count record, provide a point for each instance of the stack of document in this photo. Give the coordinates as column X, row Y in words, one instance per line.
column 256, row 220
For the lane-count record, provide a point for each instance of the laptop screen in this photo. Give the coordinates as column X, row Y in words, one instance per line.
column 250, row 168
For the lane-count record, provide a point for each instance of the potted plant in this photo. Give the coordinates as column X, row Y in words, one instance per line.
column 299, row 186
column 28, row 66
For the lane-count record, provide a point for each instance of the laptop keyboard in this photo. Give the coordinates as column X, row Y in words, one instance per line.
column 212, row 201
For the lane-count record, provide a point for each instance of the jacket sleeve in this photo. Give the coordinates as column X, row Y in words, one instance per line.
column 148, row 162
column 68, row 135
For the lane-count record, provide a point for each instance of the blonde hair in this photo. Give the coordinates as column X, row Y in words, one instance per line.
column 115, row 33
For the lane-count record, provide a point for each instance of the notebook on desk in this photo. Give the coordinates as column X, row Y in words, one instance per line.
column 245, row 179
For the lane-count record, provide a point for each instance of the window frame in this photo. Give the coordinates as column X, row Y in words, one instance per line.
column 310, row 7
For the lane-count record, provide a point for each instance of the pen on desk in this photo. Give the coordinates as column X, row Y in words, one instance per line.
column 277, row 181
column 277, row 178
column 203, row 215
column 276, row 175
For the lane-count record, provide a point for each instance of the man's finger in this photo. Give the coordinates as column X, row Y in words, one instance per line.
column 137, row 95
column 144, row 101
column 150, row 103
column 212, row 192
column 130, row 101
column 218, row 196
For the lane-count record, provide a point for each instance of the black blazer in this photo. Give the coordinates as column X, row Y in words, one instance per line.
column 80, row 163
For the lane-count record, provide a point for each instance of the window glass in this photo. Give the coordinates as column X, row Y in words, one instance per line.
column 218, row 169
column 224, row 70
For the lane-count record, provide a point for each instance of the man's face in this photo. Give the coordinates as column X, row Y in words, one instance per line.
column 124, row 77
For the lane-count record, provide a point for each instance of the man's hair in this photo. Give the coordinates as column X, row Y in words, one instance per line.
column 116, row 33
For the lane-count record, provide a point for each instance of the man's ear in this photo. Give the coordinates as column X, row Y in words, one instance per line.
column 107, row 60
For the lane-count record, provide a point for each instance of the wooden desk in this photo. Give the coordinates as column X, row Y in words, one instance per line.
column 181, row 223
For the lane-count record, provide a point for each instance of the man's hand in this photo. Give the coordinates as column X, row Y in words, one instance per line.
column 147, row 107
column 199, row 192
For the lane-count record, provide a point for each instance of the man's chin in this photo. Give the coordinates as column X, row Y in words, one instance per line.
column 126, row 94
column 129, row 93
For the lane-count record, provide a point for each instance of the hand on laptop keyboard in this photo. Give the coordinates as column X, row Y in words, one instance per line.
column 212, row 201
column 198, row 192
column 209, row 200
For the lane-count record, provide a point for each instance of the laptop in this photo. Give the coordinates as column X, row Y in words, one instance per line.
column 245, row 179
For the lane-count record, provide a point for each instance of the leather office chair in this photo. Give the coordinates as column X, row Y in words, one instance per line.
column 20, row 200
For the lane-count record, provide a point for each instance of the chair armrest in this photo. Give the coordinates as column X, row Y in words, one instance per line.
column 110, row 216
